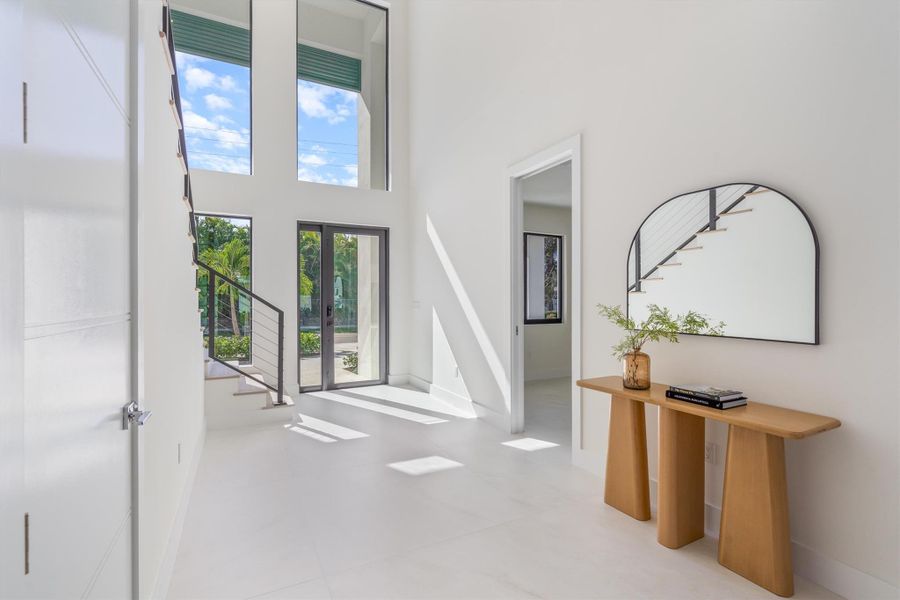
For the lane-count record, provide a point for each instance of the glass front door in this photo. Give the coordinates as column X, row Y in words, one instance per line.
column 342, row 306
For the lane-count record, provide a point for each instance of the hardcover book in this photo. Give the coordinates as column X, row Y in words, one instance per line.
column 721, row 405
column 707, row 391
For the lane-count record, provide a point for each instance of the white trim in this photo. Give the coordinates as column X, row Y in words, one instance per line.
column 167, row 565
column 458, row 402
column 401, row 379
column 567, row 150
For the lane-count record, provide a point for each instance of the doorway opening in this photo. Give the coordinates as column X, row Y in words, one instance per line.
column 341, row 306
column 546, row 288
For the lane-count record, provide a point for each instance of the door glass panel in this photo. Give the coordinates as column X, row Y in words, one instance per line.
column 310, row 317
column 357, row 308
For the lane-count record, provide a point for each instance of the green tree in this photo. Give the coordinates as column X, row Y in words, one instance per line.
column 232, row 261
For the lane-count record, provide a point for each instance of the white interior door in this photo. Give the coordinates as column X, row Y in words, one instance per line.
column 77, row 464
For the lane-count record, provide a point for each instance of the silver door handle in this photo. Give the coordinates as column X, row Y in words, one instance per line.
column 132, row 414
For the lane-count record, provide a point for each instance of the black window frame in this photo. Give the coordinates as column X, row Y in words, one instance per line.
column 560, row 276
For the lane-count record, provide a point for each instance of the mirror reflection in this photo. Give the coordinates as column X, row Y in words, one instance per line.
column 743, row 254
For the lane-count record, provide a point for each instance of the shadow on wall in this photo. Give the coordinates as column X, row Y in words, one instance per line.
column 457, row 340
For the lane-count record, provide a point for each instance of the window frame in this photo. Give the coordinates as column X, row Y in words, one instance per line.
column 388, row 184
column 561, row 241
column 250, row 33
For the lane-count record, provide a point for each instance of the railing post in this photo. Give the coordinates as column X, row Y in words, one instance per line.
column 637, row 261
column 280, row 398
column 712, row 209
column 211, row 313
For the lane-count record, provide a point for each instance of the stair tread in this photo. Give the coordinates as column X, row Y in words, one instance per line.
column 670, row 265
column 737, row 211
column 652, row 278
column 690, row 248
column 250, row 386
column 708, row 231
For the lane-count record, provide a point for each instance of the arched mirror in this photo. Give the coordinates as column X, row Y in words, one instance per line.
column 742, row 254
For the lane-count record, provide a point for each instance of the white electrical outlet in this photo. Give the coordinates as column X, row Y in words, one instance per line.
column 710, row 453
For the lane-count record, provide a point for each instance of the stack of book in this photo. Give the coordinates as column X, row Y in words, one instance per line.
column 707, row 395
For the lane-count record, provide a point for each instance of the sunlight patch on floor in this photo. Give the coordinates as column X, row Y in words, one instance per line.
column 310, row 434
column 422, row 466
column 379, row 408
column 414, row 399
column 529, row 444
column 332, row 429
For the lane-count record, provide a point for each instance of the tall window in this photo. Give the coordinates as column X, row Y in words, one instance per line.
column 225, row 245
column 543, row 278
column 212, row 51
column 342, row 93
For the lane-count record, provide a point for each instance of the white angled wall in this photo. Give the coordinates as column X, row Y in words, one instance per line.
column 670, row 97
column 170, row 337
column 276, row 200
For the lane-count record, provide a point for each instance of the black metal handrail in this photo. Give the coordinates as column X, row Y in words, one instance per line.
column 214, row 275
column 714, row 217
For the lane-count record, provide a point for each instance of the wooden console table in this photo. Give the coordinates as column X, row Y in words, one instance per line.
column 754, row 535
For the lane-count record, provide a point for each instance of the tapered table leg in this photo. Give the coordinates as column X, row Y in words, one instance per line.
column 627, row 479
column 754, row 537
column 681, row 478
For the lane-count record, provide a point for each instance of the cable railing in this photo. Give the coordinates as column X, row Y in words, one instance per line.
column 674, row 226
column 243, row 331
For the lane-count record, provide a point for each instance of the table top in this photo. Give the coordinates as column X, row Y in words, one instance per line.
column 775, row 420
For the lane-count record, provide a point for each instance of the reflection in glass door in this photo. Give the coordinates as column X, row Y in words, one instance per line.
column 342, row 306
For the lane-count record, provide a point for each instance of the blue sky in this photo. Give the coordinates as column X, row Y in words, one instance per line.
column 215, row 102
column 327, row 150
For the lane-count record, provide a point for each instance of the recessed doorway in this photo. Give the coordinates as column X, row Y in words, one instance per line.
column 341, row 306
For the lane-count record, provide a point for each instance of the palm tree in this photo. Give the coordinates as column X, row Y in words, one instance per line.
column 232, row 261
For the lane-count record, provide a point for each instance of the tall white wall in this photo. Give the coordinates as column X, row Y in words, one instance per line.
column 171, row 341
column 276, row 200
column 548, row 346
column 674, row 96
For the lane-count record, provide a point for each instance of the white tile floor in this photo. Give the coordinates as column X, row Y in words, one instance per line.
column 281, row 514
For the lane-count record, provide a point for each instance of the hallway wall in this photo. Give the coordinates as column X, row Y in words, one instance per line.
column 548, row 346
column 671, row 97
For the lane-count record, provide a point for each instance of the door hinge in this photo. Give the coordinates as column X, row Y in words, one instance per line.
column 24, row 112
column 517, row 330
column 27, row 546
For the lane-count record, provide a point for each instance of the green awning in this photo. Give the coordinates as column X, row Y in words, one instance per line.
column 211, row 39
column 329, row 68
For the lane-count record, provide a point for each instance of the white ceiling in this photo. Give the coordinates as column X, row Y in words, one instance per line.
column 552, row 187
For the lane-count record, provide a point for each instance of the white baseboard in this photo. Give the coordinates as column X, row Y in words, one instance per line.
column 458, row 402
column 418, row 382
column 167, row 566
column 401, row 379
column 840, row 578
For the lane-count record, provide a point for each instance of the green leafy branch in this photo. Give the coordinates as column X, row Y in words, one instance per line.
column 660, row 324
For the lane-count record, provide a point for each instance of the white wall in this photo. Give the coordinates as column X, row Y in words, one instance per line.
column 548, row 346
column 276, row 200
column 171, row 341
column 674, row 96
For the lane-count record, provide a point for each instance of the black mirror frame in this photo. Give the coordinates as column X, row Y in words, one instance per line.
column 561, row 274
column 816, row 341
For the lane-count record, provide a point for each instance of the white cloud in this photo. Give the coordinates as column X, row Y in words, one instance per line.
column 323, row 102
column 185, row 104
column 198, row 78
column 225, row 137
column 216, row 102
column 227, row 83
column 311, row 159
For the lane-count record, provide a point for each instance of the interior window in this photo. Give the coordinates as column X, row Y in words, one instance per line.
column 342, row 93
column 543, row 278
column 212, row 51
